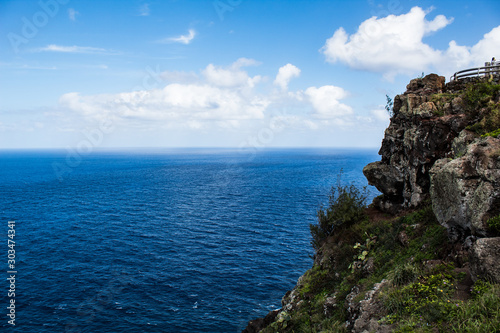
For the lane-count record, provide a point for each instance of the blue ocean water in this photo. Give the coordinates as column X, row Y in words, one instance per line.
column 157, row 240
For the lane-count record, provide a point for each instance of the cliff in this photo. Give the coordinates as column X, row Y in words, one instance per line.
column 423, row 257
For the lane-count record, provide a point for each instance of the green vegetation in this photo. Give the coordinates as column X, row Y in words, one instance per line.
column 494, row 224
column 422, row 283
column 440, row 100
column 389, row 106
column 346, row 207
column 480, row 94
column 429, row 306
column 493, row 134
column 420, row 294
column 483, row 107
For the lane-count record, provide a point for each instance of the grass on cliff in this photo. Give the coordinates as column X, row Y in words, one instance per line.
column 430, row 305
column 411, row 253
column 482, row 102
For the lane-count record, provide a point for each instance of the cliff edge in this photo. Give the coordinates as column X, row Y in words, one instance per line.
column 424, row 256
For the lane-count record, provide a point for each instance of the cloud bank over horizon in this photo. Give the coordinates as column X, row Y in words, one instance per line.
column 223, row 96
column 225, row 79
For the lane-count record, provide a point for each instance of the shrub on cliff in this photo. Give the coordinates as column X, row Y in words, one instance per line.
column 483, row 107
column 346, row 206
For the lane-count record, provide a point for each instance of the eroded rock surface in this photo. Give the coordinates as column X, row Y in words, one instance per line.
column 364, row 314
column 420, row 133
column 465, row 191
column 484, row 256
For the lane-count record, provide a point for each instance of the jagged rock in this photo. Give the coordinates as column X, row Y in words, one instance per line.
column 417, row 136
column 364, row 315
column 403, row 238
column 469, row 241
column 352, row 306
column 254, row 326
column 460, row 143
column 483, row 258
column 430, row 84
column 457, row 104
column 387, row 204
column 387, row 179
column 291, row 298
column 369, row 266
column 330, row 304
column 465, row 191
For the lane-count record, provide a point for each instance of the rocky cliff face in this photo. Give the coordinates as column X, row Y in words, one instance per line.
column 429, row 124
column 440, row 154
column 421, row 131
column 465, row 190
column 431, row 153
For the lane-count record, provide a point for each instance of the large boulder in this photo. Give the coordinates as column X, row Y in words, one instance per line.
column 483, row 259
column 465, row 191
column 386, row 178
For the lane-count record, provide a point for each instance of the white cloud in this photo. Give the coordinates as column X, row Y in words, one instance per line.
column 72, row 14
column 222, row 96
column 183, row 39
column 325, row 101
column 74, row 49
column 144, row 10
column 458, row 57
column 285, row 74
column 394, row 45
column 380, row 115
column 487, row 47
column 182, row 103
column 390, row 45
column 232, row 76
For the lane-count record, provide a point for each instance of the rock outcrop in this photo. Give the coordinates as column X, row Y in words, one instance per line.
column 254, row 326
column 364, row 315
column 465, row 191
column 484, row 256
column 420, row 133
column 428, row 124
column 432, row 154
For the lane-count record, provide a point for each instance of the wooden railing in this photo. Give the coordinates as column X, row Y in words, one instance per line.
column 478, row 71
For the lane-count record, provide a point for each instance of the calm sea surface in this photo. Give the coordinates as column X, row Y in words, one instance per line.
column 193, row 240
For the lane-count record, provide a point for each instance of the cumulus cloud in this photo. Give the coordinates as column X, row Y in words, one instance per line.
column 183, row 39
column 394, row 45
column 285, row 74
column 475, row 56
column 391, row 45
column 222, row 94
column 175, row 102
column 232, row 76
column 326, row 102
column 218, row 97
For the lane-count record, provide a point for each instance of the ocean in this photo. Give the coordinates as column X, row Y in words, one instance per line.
column 160, row 240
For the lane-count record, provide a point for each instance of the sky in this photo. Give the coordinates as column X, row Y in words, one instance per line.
column 224, row 73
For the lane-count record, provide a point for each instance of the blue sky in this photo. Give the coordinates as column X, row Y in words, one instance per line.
column 224, row 73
